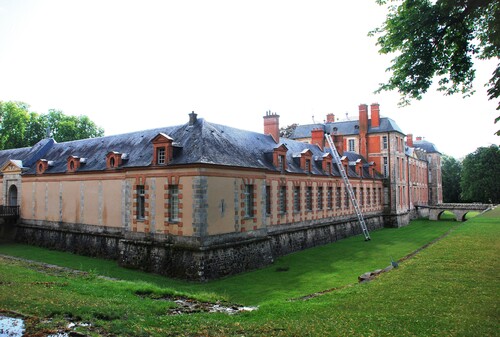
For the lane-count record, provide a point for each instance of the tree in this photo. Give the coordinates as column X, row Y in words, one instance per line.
column 451, row 171
column 14, row 117
column 64, row 128
column 21, row 128
column 287, row 132
column 479, row 180
column 439, row 39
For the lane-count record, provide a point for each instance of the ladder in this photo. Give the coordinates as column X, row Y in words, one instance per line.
column 348, row 185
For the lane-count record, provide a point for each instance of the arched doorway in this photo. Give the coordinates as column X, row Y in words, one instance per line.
column 12, row 195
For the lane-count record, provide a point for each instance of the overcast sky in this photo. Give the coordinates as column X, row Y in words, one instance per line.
column 133, row 65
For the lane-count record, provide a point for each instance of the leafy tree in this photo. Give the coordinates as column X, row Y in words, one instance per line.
column 21, row 128
column 479, row 180
column 451, row 170
column 439, row 39
column 14, row 117
column 64, row 128
column 287, row 131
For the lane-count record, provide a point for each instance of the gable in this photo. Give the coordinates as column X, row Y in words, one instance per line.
column 12, row 166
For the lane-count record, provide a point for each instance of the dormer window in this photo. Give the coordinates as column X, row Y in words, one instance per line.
column 113, row 160
column 305, row 160
column 279, row 158
column 42, row 166
column 73, row 164
column 327, row 163
column 162, row 149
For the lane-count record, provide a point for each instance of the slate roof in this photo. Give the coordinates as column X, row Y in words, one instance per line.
column 345, row 128
column 200, row 143
column 426, row 146
column 27, row 155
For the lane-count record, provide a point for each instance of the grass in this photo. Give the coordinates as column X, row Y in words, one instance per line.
column 449, row 216
column 450, row 289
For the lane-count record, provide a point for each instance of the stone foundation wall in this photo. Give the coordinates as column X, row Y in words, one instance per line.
column 75, row 241
column 286, row 241
column 190, row 259
column 397, row 220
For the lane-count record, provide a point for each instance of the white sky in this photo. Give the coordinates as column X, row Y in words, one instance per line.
column 133, row 65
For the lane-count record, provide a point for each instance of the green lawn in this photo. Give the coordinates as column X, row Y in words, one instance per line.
column 450, row 288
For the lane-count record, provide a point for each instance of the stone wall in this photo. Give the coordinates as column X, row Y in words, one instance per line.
column 193, row 259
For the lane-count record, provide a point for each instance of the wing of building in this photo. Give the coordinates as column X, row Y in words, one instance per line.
column 204, row 200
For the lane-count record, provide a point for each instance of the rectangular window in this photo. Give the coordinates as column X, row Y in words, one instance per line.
column 355, row 193
column 386, row 167
column 248, row 201
column 346, row 199
column 281, row 163
column 320, row 197
column 351, row 145
column 368, row 196
column 398, row 167
column 309, row 204
column 141, row 202
column 296, row 198
column 338, row 198
column 361, row 196
column 268, row 200
column 173, row 203
column 384, row 142
column 282, row 199
column 329, row 196
column 380, row 196
column 329, row 168
column 403, row 168
column 160, row 155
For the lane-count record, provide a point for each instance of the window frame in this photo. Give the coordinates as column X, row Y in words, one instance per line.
column 319, row 199
column 296, row 198
column 160, row 155
column 248, row 200
column 141, row 202
column 173, row 203
column 309, row 203
column 282, row 197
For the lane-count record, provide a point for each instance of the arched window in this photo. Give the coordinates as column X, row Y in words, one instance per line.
column 12, row 195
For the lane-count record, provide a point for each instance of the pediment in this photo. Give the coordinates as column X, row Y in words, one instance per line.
column 162, row 138
column 12, row 166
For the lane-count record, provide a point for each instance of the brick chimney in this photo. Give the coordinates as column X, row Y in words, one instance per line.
column 409, row 140
column 363, row 130
column 330, row 118
column 272, row 125
column 375, row 115
column 318, row 138
column 338, row 142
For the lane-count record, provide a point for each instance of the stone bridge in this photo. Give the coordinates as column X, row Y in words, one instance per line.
column 460, row 210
